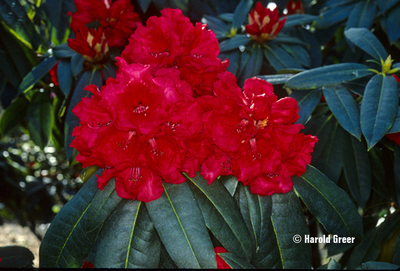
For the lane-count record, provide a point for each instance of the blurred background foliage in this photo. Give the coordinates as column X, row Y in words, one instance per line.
column 317, row 58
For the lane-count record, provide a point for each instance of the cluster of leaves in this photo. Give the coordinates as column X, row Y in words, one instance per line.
column 360, row 107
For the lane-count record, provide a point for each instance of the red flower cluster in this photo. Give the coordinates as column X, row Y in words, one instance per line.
column 294, row 7
column 264, row 24
column 114, row 22
column 154, row 121
column 53, row 74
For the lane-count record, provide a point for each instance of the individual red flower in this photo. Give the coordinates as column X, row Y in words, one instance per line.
column 264, row 24
column 87, row 265
column 91, row 44
column 172, row 41
column 53, row 74
column 117, row 19
column 221, row 264
column 295, row 7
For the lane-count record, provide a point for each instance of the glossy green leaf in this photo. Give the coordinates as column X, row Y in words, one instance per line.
column 362, row 15
column 397, row 172
column 132, row 237
column 333, row 16
column 357, row 169
column 77, row 64
column 288, row 220
column 233, row 43
column 236, row 262
column 385, row 5
column 344, row 108
column 253, row 66
column 378, row 108
column 307, row 100
column 367, row 250
column 16, row 257
column 259, row 209
column 379, row 157
column 327, row 75
column 241, row 12
column 298, row 19
column 358, row 86
column 57, row 12
column 393, row 29
column 377, row 266
column 64, row 76
column 396, row 124
column 276, row 78
column 180, row 225
column 328, row 203
column 299, row 53
column 36, row 74
column 66, row 244
column 63, row 51
column 39, row 118
column 290, row 40
column 222, row 216
column 279, row 58
column 144, row 5
column 332, row 264
column 230, row 182
column 14, row 113
column 219, row 27
column 367, row 41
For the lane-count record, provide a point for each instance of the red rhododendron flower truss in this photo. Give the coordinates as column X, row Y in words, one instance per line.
column 53, row 74
column 139, row 128
column 295, row 7
column 87, row 265
column 172, row 41
column 116, row 18
column 264, row 24
column 221, row 264
column 91, row 44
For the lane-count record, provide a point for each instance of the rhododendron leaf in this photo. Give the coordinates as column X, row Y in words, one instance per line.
column 64, row 76
column 234, row 60
column 222, row 216
column 299, row 53
column 132, row 237
column 144, row 5
column 362, row 15
column 379, row 157
column 103, row 203
column 230, row 182
column 396, row 256
column 63, row 51
column 260, row 210
column 328, row 203
column 332, row 264
column 14, row 113
column 219, row 27
column 241, row 12
column 39, row 118
column 282, row 38
column 66, row 244
column 165, row 259
column 236, row 262
column 71, row 121
column 36, row 74
column 57, row 12
column 16, row 257
column 358, row 86
column 233, row 43
column 333, row 16
column 377, row 266
column 180, row 225
column 287, row 221
column 327, row 75
column 379, row 108
column 276, row 78
column 357, row 169
column 367, row 41
column 241, row 200
column 279, row 58
column 385, row 5
column 393, row 31
column 298, row 19
column 253, row 65
column 397, row 172
column 307, row 101
column 77, row 64
column 344, row 108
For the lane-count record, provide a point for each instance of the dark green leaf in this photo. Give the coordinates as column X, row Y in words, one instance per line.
column 233, row 43
column 241, row 13
column 180, row 225
column 222, row 216
column 307, row 99
column 358, row 86
column 230, row 183
column 234, row 60
column 66, row 244
column 367, row 41
column 332, row 264
column 144, row 5
column 367, row 250
column 328, row 203
column 36, row 74
column 344, row 108
column 396, row 124
column 288, row 220
column 282, row 38
column 279, row 58
column 396, row 256
column 14, row 113
column 362, row 15
column 397, row 172
column 64, row 76
column 217, row 26
column 63, row 51
column 380, row 176
column 378, row 108
column 333, row 16
column 357, row 169
column 165, row 260
column 327, row 75
column 385, row 5
column 39, row 118
column 57, row 12
column 16, row 257
column 235, row 262
column 298, row 19
column 393, row 31
column 77, row 64
column 253, row 66
column 377, row 266
column 132, row 237
column 276, row 78
column 228, row 17
column 299, row 53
